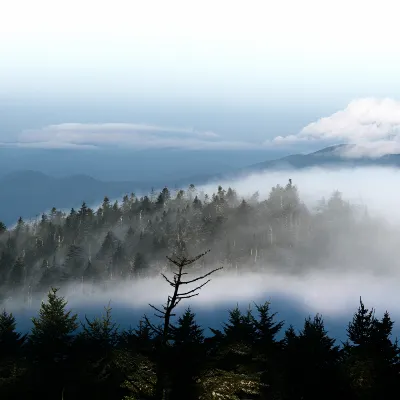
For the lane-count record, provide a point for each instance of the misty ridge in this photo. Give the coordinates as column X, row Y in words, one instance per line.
column 314, row 239
column 290, row 231
column 30, row 192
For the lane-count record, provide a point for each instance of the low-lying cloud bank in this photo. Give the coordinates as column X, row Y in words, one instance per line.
column 327, row 288
column 335, row 297
column 372, row 187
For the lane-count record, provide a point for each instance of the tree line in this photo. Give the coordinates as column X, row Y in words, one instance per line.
column 175, row 360
column 128, row 239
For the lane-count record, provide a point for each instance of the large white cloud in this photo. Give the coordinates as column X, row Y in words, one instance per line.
column 137, row 136
column 371, row 124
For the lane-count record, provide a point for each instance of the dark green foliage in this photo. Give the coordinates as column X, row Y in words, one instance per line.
column 11, row 357
column 243, row 360
column 10, row 340
column 186, row 357
column 139, row 265
column 17, row 275
column 53, row 328
column 372, row 359
column 101, row 332
column 243, row 232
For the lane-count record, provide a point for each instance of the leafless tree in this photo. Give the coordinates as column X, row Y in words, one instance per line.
column 167, row 310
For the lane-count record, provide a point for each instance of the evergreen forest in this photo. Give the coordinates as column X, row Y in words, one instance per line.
column 252, row 356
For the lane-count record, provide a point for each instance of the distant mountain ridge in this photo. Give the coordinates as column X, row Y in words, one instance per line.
column 29, row 193
column 328, row 156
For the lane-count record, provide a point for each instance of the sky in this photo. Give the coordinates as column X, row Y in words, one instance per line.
column 283, row 75
column 322, row 72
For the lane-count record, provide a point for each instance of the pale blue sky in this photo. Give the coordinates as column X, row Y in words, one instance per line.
column 291, row 61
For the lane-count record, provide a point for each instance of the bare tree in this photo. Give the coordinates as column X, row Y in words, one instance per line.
column 167, row 310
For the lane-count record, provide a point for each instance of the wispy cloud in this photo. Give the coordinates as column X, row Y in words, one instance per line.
column 371, row 125
column 137, row 136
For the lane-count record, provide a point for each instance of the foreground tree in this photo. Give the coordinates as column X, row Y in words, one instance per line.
column 373, row 360
column 50, row 345
column 186, row 357
column 94, row 358
column 180, row 262
column 11, row 341
column 11, row 363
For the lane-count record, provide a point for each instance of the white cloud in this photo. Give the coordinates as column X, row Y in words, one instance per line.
column 371, row 124
column 137, row 136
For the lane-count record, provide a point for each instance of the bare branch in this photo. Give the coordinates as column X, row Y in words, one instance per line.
column 201, row 277
column 169, row 281
column 193, row 290
column 188, row 297
column 155, row 308
column 176, row 262
column 181, row 262
column 154, row 328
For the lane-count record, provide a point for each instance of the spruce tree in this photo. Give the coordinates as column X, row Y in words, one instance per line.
column 10, row 340
column 49, row 347
column 186, row 357
column 94, row 354
column 17, row 275
column 52, row 330
column 372, row 359
column 268, row 348
column 11, row 359
column 140, row 266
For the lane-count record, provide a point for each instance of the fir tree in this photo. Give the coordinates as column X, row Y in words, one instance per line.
column 53, row 328
column 139, row 265
column 17, row 276
column 187, row 357
column 10, row 340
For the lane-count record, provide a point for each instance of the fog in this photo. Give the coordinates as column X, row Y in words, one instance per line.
column 374, row 187
column 361, row 262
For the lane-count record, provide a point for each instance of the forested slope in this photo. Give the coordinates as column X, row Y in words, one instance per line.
column 131, row 239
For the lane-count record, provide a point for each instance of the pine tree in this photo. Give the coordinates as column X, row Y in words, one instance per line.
column 49, row 276
column 11, row 341
column 119, row 260
column 101, row 332
column 17, row 275
column 372, row 359
column 311, row 362
column 240, row 327
column 75, row 261
column 52, row 330
column 94, row 354
column 11, row 358
column 186, row 357
column 91, row 274
column 268, row 348
column 6, row 262
column 50, row 346
column 140, row 266
column 20, row 226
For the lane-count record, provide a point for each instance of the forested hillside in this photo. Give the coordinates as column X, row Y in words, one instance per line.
column 130, row 239
column 176, row 359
